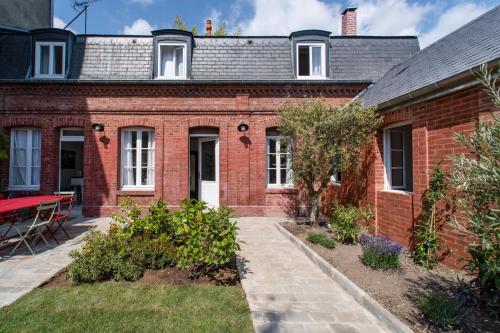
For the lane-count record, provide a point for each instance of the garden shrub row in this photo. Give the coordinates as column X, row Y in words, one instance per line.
column 195, row 237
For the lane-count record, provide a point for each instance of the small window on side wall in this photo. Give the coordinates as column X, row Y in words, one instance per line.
column 138, row 159
column 398, row 161
column 311, row 62
column 171, row 61
column 279, row 161
column 50, row 59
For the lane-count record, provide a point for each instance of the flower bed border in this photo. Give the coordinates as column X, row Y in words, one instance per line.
column 365, row 300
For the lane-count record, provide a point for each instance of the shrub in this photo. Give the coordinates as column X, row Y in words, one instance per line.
column 205, row 237
column 442, row 311
column 103, row 257
column 152, row 253
column 321, row 238
column 380, row 252
column 344, row 222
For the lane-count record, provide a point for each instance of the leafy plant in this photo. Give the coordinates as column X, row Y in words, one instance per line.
column 427, row 241
column 476, row 180
column 321, row 238
column 380, row 252
column 442, row 311
column 320, row 133
column 344, row 222
column 205, row 237
column 102, row 257
column 4, row 146
column 152, row 252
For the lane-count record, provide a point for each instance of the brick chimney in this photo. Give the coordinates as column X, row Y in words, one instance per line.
column 349, row 22
column 209, row 28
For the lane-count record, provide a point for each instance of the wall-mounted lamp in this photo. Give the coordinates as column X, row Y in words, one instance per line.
column 98, row 127
column 243, row 127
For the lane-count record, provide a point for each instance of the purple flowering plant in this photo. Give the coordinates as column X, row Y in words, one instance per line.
column 380, row 252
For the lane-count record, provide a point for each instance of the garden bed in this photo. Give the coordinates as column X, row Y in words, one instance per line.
column 397, row 290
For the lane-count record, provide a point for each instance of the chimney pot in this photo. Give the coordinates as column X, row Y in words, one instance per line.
column 209, row 28
column 349, row 22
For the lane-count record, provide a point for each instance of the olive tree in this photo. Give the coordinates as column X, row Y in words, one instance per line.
column 324, row 139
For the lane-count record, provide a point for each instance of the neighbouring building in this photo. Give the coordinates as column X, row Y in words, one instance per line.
column 26, row 14
column 174, row 115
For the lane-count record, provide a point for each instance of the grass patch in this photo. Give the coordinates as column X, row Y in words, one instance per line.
column 321, row 238
column 442, row 311
column 129, row 307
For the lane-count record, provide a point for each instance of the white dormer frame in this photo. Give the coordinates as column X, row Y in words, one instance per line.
column 323, row 61
column 38, row 60
column 184, row 53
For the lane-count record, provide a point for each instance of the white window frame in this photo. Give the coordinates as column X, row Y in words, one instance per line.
column 323, row 61
column 29, row 155
column 278, row 162
column 138, row 159
column 165, row 77
column 38, row 60
column 387, row 159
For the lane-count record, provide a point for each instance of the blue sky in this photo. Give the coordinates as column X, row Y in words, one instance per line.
column 430, row 20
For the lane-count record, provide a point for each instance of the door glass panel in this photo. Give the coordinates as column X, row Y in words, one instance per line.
column 208, row 161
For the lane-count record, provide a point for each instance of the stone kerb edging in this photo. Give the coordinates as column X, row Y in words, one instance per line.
column 365, row 300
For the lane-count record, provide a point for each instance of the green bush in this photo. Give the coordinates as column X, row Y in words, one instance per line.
column 204, row 237
column 103, row 257
column 322, row 239
column 344, row 222
column 442, row 311
column 152, row 253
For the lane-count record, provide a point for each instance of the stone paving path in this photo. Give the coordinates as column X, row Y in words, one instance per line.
column 287, row 292
column 22, row 272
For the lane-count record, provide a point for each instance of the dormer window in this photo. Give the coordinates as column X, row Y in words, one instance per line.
column 172, row 60
column 50, row 59
column 311, row 61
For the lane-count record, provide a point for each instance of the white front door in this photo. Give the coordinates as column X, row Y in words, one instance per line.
column 208, row 150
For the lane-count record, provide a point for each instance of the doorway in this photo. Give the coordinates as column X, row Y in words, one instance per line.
column 71, row 162
column 204, row 167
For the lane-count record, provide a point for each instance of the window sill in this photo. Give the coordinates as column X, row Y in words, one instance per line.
column 398, row 192
column 21, row 189
column 337, row 184
column 281, row 190
column 166, row 78
column 137, row 191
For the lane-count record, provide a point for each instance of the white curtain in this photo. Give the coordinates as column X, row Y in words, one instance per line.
column 20, row 146
column 128, row 178
column 35, row 157
column 167, row 61
column 316, row 61
column 179, row 58
column 151, row 160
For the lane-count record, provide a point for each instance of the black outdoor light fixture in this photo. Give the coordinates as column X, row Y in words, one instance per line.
column 243, row 127
column 98, row 127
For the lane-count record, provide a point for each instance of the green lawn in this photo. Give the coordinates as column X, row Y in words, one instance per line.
column 129, row 307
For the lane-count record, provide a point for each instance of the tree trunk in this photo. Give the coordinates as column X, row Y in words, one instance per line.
column 315, row 209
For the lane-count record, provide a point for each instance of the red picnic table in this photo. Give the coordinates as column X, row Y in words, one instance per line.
column 10, row 205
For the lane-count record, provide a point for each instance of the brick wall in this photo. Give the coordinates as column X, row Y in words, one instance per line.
column 171, row 111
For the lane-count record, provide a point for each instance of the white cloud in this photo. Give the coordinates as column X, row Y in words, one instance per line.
column 390, row 17
column 139, row 27
column 142, row 2
column 281, row 17
column 451, row 20
column 60, row 24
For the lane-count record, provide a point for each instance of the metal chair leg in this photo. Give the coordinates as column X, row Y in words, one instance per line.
column 23, row 239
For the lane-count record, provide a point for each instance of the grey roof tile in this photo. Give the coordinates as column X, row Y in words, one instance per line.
column 471, row 45
column 15, row 53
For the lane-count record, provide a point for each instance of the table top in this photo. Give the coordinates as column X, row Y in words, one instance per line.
column 9, row 205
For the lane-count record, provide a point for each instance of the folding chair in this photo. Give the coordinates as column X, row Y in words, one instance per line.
column 45, row 213
column 65, row 208
column 5, row 219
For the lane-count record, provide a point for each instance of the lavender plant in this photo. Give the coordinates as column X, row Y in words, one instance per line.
column 380, row 252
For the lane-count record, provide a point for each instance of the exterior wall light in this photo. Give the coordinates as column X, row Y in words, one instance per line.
column 98, row 127
column 243, row 127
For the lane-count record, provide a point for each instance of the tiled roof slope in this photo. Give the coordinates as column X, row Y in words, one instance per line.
column 473, row 44
column 243, row 58
column 14, row 55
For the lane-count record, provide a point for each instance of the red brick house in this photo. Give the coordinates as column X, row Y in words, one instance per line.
column 174, row 115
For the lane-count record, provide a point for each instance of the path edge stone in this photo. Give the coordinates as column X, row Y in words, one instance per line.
column 365, row 300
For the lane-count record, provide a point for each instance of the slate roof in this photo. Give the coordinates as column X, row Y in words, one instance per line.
column 96, row 57
column 14, row 54
column 473, row 44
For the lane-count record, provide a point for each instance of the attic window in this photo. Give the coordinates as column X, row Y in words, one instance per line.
column 50, row 59
column 311, row 62
column 172, row 61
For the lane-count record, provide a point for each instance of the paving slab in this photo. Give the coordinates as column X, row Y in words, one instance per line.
column 287, row 292
column 23, row 272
